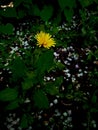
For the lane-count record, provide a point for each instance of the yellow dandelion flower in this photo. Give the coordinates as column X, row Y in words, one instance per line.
column 45, row 40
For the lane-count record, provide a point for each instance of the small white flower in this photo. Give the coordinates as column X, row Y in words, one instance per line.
column 48, row 78
column 51, row 104
column 55, row 101
column 55, row 54
column 65, row 114
column 68, row 75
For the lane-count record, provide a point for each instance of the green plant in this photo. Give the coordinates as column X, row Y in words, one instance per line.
column 33, row 72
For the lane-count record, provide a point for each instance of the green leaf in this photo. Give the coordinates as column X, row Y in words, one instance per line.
column 94, row 110
column 67, row 3
column 8, row 94
column 58, row 81
column 24, row 121
column 18, row 2
column 18, row 68
column 62, row 3
column 6, row 29
column 12, row 105
column 30, row 80
column 27, row 3
column 36, row 10
column 27, row 84
column 59, row 65
column 35, row 56
column 45, row 61
column 40, row 100
column 86, row 106
column 90, row 56
column 96, row 1
column 58, row 18
column 46, row 13
column 51, row 89
column 21, row 14
column 9, row 12
column 96, row 54
column 84, row 32
column 68, row 14
column 94, row 99
column 85, row 3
